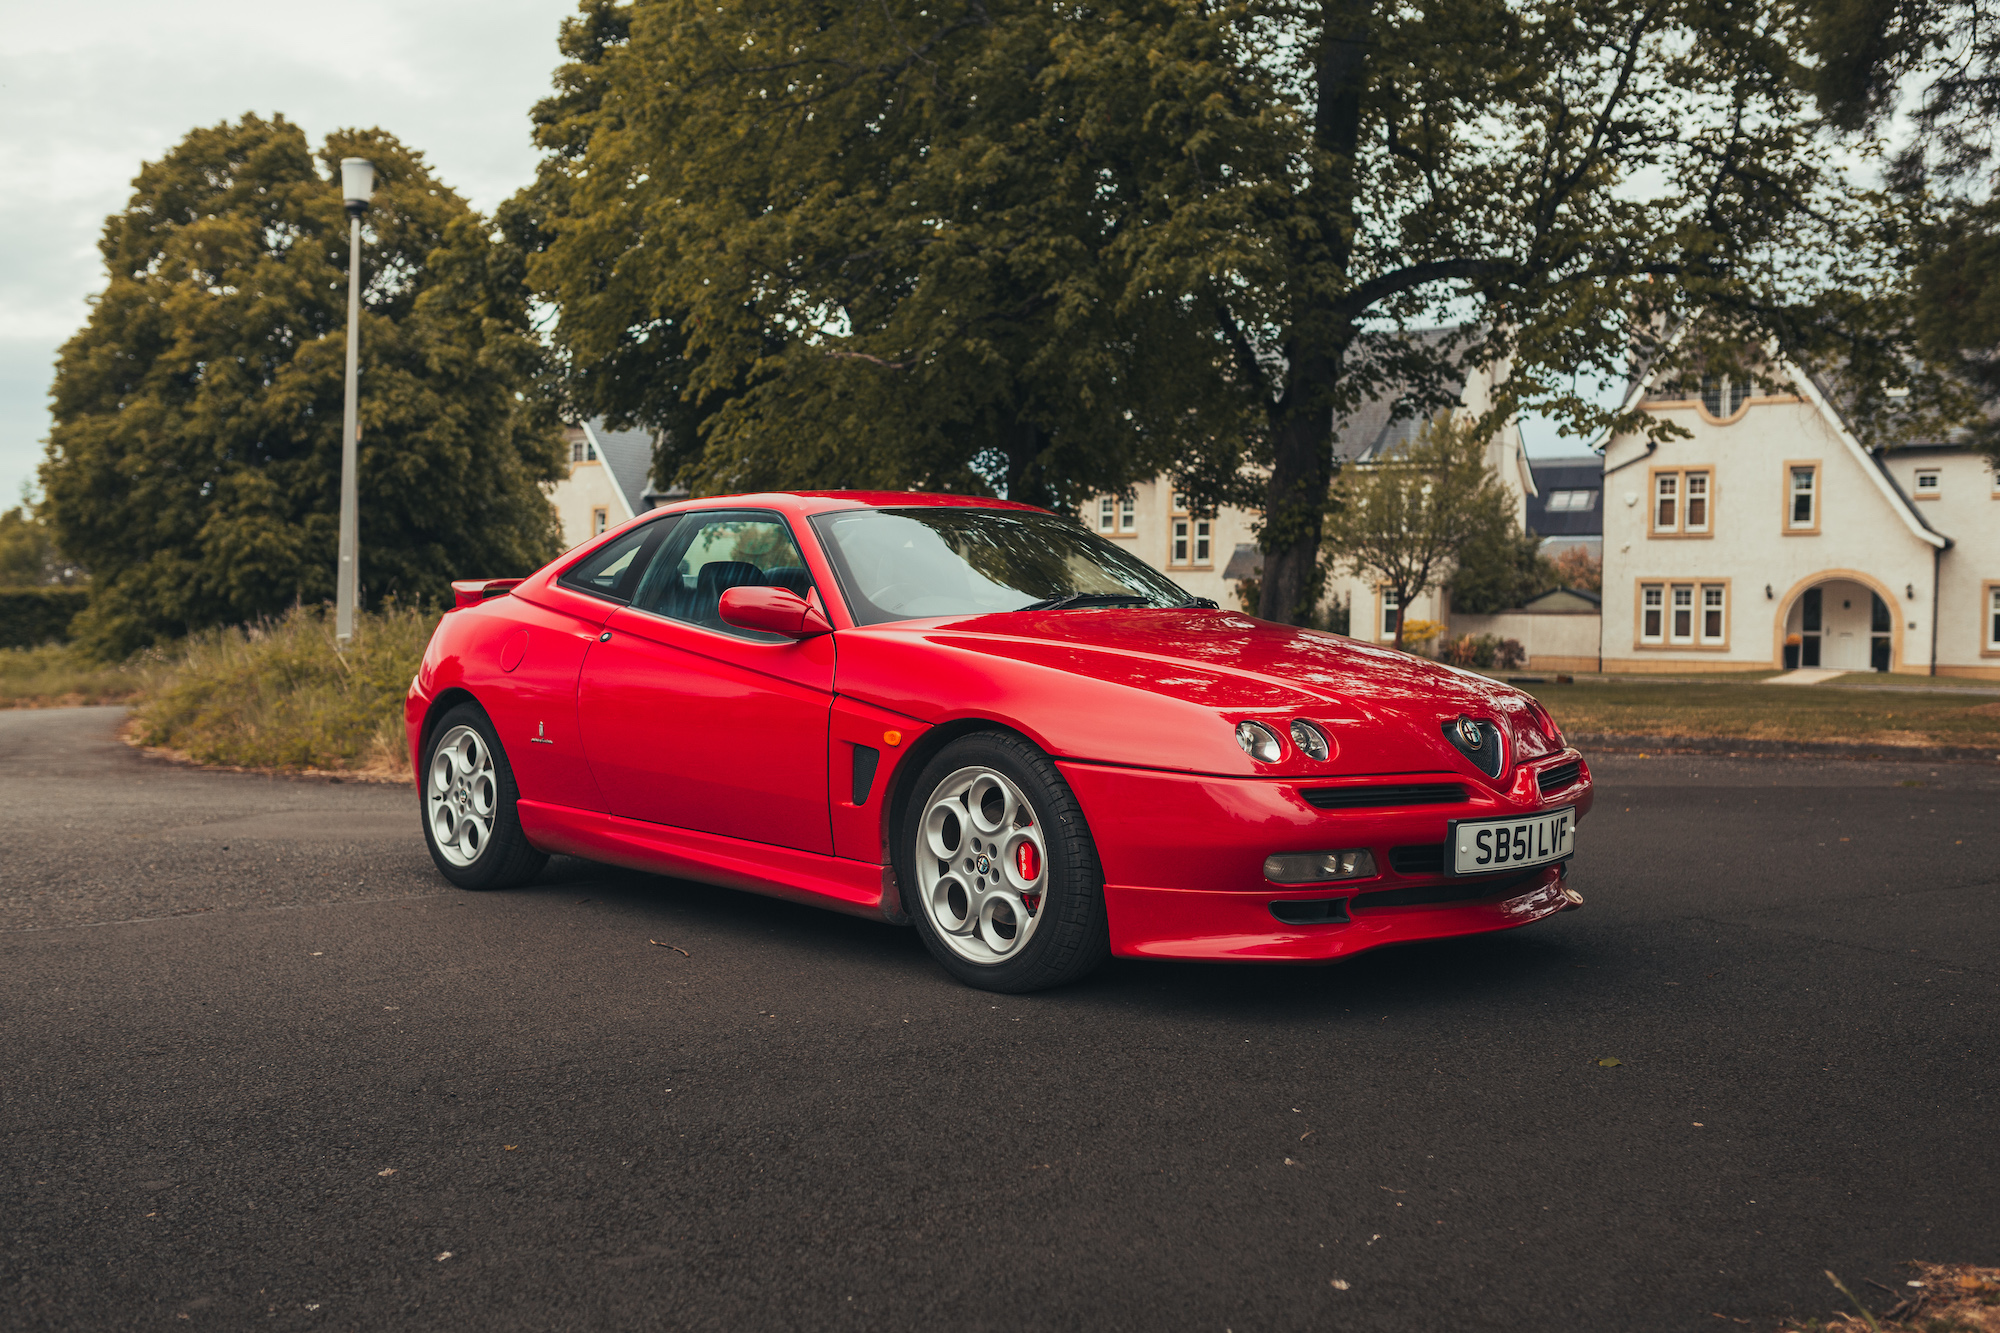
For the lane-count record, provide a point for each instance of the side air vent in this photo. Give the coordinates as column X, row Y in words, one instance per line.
column 1480, row 741
column 866, row 757
column 1562, row 775
column 1406, row 793
column 1425, row 858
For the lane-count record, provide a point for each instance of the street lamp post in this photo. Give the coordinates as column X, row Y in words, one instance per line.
column 357, row 183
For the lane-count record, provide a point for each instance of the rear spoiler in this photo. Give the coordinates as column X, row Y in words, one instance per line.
column 471, row 592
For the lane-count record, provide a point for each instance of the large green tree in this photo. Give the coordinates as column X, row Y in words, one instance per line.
column 877, row 245
column 1062, row 247
column 1938, row 63
column 194, row 466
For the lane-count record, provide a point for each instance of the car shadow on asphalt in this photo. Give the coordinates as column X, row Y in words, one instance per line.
column 1435, row 974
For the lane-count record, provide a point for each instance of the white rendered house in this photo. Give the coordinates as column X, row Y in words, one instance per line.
column 1772, row 538
column 609, row 481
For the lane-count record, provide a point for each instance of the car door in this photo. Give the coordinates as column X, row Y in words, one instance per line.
column 690, row 722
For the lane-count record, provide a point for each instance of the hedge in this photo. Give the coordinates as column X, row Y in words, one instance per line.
column 31, row 617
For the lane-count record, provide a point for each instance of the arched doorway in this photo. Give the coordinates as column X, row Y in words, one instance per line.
column 1840, row 624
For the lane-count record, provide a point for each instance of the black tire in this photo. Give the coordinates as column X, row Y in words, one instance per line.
column 1066, row 936
column 503, row 857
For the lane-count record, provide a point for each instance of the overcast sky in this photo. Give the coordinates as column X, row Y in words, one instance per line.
column 88, row 94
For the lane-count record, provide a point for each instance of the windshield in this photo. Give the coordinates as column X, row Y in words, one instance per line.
column 902, row 564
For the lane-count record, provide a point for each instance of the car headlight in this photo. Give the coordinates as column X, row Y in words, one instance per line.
column 1311, row 741
column 1319, row 867
column 1259, row 742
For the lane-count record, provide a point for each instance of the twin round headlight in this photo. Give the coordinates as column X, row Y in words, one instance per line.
column 1262, row 744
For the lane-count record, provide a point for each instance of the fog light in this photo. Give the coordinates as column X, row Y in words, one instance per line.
column 1319, row 867
column 1259, row 742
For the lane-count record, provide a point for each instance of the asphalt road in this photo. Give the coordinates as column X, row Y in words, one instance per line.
column 260, row 1067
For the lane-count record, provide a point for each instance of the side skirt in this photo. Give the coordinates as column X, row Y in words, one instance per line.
column 857, row 888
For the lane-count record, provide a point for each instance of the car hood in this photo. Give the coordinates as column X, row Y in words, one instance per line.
column 1163, row 688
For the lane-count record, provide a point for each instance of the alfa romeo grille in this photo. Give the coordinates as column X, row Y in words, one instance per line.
column 1407, row 793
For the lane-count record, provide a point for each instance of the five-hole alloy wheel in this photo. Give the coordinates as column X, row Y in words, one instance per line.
column 999, row 870
column 467, row 791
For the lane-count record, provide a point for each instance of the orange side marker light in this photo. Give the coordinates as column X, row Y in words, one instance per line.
column 892, row 738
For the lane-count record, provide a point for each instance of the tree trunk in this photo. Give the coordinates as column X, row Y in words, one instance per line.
column 1027, row 481
column 1295, row 500
column 1302, row 419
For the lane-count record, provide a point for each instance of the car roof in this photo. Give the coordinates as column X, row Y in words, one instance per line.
column 821, row 502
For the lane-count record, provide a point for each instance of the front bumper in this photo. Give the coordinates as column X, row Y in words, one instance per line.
column 1183, row 860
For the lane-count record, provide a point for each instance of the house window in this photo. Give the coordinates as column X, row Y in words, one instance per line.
column 1723, row 396
column 1928, row 487
column 1683, row 502
column 1107, row 515
column 1392, row 613
column 1684, row 613
column 1117, row 515
column 1571, row 502
column 1802, row 512
column 1128, row 514
column 1192, row 541
column 600, row 519
column 1712, row 630
column 1993, row 617
column 1697, row 502
column 1682, row 625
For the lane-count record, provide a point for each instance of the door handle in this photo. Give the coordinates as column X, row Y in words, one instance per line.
column 604, row 637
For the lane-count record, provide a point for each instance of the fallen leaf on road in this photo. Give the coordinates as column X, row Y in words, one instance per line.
column 682, row 952
column 1341, row 1284
column 510, row 1146
column 386, row 1171
column 442, row 1257
column 1610, row 1062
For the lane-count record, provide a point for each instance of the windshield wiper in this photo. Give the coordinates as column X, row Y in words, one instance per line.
column 1087, row 599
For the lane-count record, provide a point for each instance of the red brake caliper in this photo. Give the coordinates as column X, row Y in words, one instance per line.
column 1028, row 864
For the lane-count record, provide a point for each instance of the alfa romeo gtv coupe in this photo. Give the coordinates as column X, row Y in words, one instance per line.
column 983, row 719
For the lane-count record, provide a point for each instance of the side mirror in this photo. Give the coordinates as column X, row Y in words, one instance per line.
column 773, row 611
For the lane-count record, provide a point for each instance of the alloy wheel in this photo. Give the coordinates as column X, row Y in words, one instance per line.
column 982, row 866
column 462, row 795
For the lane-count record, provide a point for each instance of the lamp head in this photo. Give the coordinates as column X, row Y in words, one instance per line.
column 357, row 183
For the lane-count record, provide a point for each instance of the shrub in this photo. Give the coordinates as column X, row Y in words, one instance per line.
column 276, row 694
column 54, row 674
column 31, row 617
column 1509, row 654
column 1483, row 651
column 1418, row 634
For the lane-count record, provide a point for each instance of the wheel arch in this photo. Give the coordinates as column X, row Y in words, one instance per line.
column 904, row 778
column 446, row 700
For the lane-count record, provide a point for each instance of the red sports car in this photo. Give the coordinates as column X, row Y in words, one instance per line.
column 985, row 719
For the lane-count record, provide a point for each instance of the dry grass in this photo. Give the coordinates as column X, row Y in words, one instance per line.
column 1944, row 1298
column 54, row 677
column 278, row 697
column 1772, row 712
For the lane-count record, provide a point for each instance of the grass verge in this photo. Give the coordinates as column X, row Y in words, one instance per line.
column 55, row 677
column 1772, row 713
column 277, row 695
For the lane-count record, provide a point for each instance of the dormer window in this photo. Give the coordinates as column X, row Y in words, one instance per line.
column 1571, row 502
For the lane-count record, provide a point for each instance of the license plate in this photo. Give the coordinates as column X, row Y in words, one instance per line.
column 1483, row 846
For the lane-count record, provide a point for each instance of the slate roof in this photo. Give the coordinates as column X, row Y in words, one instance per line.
column 628, row 455
column 1567, row 474
column 1365, row 433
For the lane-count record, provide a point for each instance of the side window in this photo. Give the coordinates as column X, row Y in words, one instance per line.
column 717, row 551
column 613, row 570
